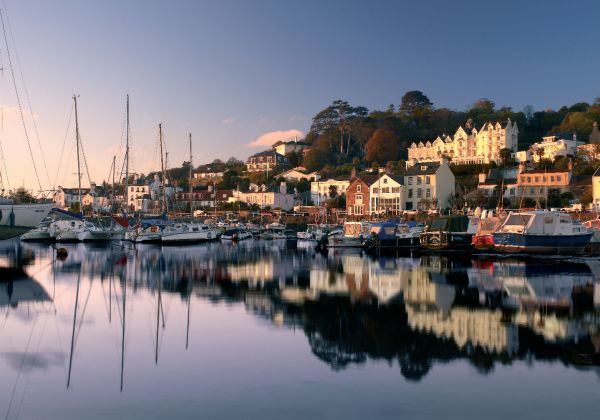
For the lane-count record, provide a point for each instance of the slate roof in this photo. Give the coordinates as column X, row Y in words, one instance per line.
column 423, row 168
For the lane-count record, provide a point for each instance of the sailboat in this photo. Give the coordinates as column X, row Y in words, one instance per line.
column 16, row 218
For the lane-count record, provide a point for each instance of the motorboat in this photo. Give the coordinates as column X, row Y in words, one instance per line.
column 483, row 239
column 541, row 232
column 150, row 235
column 84, row 232
column 39, row 233
column 273, row 231
column 352, row 236
column 235, row 235
column 451, row 232
column 179, row 233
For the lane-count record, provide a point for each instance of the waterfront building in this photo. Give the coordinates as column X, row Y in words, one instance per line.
column 596, row 190
column 497, row 178
column 139, row 196
column 320, row 191
column 265, row 161
column 387, row 195
column 264, row 196
column 283, row 148
column 553, row 146
column 358, row 195
column 468, row 145
column 64, row 198
column 428, row 185
column 208, row 198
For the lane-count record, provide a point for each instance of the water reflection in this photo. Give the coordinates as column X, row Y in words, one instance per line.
column 413, row 312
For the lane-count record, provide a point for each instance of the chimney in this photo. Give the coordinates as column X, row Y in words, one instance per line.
column 353, row 173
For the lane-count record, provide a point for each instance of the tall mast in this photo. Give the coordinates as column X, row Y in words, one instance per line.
column 126, row 193
column 191, row 171
column 162, row 168
column 78, row 160
column 113, row 178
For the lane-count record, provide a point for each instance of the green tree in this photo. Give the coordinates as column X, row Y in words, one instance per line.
column 505, row 156
column 413, row 102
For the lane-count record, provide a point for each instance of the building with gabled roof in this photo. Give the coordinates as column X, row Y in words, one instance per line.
column 468, row 145
column 387, row 195
column 428, row 185
column 265, row 161
column 358, row 196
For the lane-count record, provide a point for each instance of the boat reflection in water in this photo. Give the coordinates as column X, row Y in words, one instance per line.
column 414, row 313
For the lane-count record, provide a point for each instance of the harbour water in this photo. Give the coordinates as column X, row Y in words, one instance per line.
column 268, row 330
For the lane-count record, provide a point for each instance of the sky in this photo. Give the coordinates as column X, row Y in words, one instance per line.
column 240, row 75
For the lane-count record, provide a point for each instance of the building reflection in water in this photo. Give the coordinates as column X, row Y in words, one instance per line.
column 414, row 311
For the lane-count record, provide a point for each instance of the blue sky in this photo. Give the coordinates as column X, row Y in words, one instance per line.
column 232, row 71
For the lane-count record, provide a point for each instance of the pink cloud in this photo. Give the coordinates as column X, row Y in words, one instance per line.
column 267, row 139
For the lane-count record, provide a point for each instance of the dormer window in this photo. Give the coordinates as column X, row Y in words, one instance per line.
column 423, row 167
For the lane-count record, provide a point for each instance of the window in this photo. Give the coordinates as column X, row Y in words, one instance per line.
column 427, row 180
column 537, row 179
column 419, row 180
column 385, row 180
column 358, row 188
column 410, row 193
column 410, row 180
column 528, row 179
column 558, row 178
column 419, row 193
column 532, row 190
column 512, row 191
column 551, row 178
column 428, row 193
column 375, row 190
column 385, row 190
column 523, row 179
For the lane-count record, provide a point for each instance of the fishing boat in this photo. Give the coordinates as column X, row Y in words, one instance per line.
column 541, row 232
column 450, row 233
column 353, row 235
column 182, row 233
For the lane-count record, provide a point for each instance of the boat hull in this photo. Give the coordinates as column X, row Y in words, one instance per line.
column 345, row 242
column 16, row 219
column 447, row 241
column 541, row 244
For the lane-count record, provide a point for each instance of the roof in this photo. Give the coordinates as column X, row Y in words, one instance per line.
column 423, row 168
column 266, row 153
column 544, row 171
column 366, row 178
column 581, row 181
column 597, row 172
column 398, row 178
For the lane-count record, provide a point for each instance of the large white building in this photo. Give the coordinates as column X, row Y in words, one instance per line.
column 552, row 146
column 469, row 145
column 265, row 197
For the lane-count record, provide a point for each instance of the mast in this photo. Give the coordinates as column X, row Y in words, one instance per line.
column 126, row 193
column 113, row 177
column 162, row 169
column 78, row 160
column 191, row 171
column 73, row 332
column 124, row 286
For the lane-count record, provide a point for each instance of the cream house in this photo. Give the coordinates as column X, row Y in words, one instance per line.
column 387, row 195
column 469, row 145
column 320, row 190
column 265, row 197
column 428, row 185
column 283, row 148
column 596, row 189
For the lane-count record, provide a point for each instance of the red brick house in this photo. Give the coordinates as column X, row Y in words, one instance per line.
column 357, row 196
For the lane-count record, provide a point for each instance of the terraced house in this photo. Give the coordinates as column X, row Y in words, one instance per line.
column 265, row 161
column 429, row 185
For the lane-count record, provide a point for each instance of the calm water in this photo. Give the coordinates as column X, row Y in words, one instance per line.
column 262, row 331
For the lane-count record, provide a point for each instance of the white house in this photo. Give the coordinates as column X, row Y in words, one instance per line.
column 468, row 145
column 596, row 189
column 320, row 191
column 387, row 195
column 428, row 185
column 66, row 197
column 265, row 197
column 283, row 148
column 552, row 146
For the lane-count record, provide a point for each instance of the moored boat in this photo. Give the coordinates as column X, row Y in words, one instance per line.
column 16, row 219
column 451, row 233
column 541, row 232
column 353, row 235
column 181, row 233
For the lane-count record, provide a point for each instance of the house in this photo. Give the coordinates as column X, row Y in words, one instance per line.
column 596, row 189
column 552, row 146
column 428, row 185
column 208, row 176
column 320, row 191
column 496, row 178
column 139, row 196
column 263, row 196
column 66, row 197
column 387, row 195
column 358, row 195
column 468, row 145
column 535, row 183
column 265, row 161
column 298, row 173
column 208, row 198
column 283, row 148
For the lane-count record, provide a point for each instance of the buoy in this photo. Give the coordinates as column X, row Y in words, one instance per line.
column 62, row 253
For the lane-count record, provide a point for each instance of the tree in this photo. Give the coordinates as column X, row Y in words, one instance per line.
column 505, row 156
column 382, row 147
column 314, row 160
column 414, row 101
column 294, row 158
column 333, row 191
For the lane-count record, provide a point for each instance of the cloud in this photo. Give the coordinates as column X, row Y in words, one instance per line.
column 267, row 139
column 229, row 120
column 28, row 362
column 11, row 113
